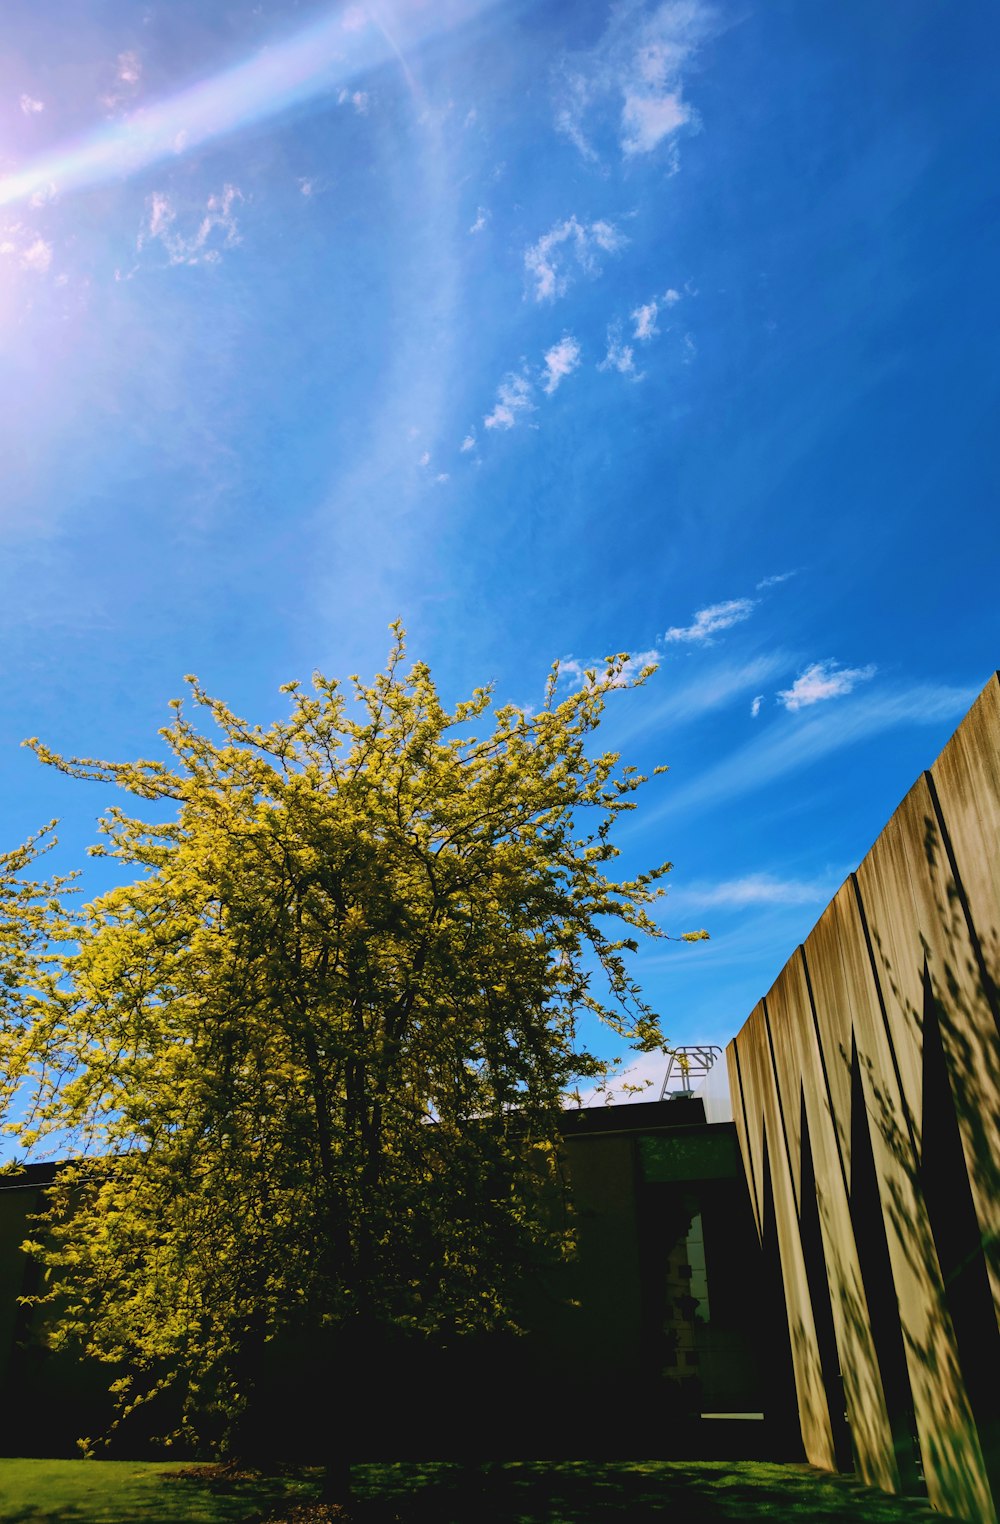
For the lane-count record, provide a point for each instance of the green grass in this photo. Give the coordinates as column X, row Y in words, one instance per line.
column 120, row 1492
column 573, row 1492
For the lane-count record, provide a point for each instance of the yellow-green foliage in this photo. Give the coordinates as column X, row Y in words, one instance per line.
column 305, row 1054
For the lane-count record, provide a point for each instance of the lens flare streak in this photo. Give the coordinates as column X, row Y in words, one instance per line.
column 318, row 60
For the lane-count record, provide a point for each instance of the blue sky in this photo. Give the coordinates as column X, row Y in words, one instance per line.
column 553, row 330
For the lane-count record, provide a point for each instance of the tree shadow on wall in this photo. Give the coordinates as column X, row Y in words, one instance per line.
column 941, row 1199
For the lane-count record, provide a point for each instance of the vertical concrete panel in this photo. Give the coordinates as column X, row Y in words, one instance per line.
column 740, row 1119
column 954, row 1469
column 799, row 1069
column 920, row 921
column 792, row 1059
column 960, row 897
column 884, row 884
column 919, row 913
column 744, row 1048
column 760, row 1091
column 832, row 943
column 967, row 778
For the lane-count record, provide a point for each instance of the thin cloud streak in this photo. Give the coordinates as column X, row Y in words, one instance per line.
column 711, row 620
column 711, row 690
column 752, row 890
column 789, row 745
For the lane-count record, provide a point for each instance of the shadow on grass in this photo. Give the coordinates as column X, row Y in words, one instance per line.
column 580, row 1492
column 583, row 1492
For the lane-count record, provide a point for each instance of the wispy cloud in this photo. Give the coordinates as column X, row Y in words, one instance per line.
column 359, row 99
column 632, row 82
column 516, row 394
column 644, row 319
column 26, row 247
column 30, row 105
column 647, row 118
column 129, row 69
column 514, row 400
column 127, row 79
column 37, row 256
column 482, row 218
column 754, row 889
column 713, row 620
column 774, row 581
column 574, row 671
column 468, row 443
column 216, row 228
column 560, row 361
column 619, row 355
column 795, row 743
column 681, row 703
column 568, row 243
column 755, row 706
column 823, row 680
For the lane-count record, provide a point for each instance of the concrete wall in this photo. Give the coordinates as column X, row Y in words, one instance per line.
column 866, row 1094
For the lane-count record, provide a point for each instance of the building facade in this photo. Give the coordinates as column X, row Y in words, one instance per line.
column 866, row 1092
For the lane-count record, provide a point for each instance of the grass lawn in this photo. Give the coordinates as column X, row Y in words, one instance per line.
column 117, row 1492
column 572, row 1492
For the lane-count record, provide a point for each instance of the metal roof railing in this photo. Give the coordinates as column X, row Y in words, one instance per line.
column 690, row 1064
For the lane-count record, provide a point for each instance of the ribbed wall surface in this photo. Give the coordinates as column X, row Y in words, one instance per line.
column 866, row 1093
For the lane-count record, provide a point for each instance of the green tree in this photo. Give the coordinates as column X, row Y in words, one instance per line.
column 311, row 1059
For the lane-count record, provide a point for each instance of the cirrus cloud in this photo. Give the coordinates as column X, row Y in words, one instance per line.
column 713, row 620
column 756, row 889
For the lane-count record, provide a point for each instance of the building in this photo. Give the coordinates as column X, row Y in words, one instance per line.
column 805, row 1263
column 866, row 1090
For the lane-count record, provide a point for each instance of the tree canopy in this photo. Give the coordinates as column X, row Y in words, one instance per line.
column 310, row 1059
